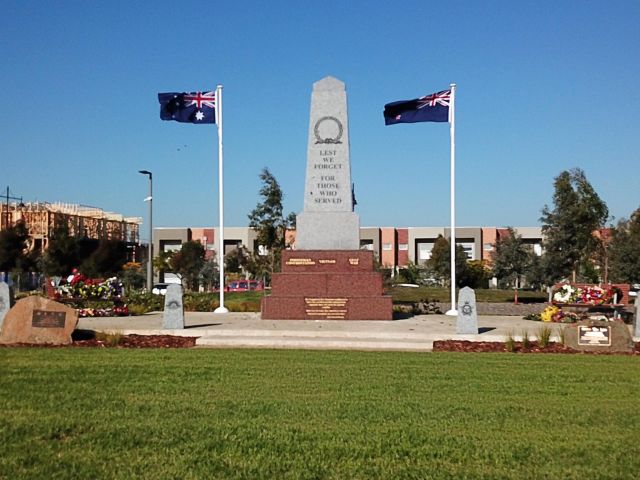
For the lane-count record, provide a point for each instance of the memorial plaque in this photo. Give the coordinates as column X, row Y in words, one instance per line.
column 326, row 308
column 594, row 335
column 45, row 319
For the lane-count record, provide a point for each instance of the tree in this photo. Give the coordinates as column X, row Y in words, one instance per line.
column 268, row 220
column 162, row 261
column 511, row 260
column 440, row 262
column 62, row 254
column 624, row 250
column 209, row 273
column 475, row 274
column 14, row 248
column 188, row 262
column 569, row 227
column 132, row 276
column 236, row 260
column 106, row 260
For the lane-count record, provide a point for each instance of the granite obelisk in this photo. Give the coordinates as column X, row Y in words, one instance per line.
column 328, row 221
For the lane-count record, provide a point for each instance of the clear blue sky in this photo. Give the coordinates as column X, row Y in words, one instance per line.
column 542, row 87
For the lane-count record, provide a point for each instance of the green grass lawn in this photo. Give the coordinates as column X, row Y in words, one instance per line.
column 409, row 294
column 111, row 413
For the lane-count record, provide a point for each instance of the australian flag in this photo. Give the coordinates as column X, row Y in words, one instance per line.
column 430, row 108
column 196, row 107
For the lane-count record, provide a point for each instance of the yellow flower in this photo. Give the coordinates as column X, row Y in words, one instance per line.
column 548, row 313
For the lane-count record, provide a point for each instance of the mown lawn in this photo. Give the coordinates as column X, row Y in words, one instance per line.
column 410, row 294
column 113, row 413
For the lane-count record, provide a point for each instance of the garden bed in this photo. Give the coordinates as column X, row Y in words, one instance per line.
column 515, row 347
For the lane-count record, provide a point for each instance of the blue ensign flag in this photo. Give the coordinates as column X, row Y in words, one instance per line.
column 196, row 107
column 430, row 108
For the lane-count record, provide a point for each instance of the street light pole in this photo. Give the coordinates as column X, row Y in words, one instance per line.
column 150, row 250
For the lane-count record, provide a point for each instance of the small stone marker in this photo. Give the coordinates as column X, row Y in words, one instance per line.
column 598, row 336
column 173, row 317
column 39, row 320
column 636, row 318
column 467, row 314
column 5, row 301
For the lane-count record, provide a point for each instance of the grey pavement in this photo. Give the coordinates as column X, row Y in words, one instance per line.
column 248, row 330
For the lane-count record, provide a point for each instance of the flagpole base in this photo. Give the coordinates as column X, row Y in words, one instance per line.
column 451, row 313
column 221, row 310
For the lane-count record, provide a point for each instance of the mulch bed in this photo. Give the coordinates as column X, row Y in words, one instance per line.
column 86, row 339
column 534, row 347
column 140, row 341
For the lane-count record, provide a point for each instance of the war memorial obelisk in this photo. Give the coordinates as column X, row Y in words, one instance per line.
column 327, row 276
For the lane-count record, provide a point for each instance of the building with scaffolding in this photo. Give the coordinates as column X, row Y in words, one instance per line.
column 41, row 219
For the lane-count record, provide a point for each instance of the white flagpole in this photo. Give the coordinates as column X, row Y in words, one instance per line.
column 221, row 308
column 452, row 120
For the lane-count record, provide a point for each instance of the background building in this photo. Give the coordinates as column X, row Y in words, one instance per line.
column 41, row 218
column 394, row 247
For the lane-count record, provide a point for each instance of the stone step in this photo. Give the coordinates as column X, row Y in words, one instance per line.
column 317, row 334
column 314, row 343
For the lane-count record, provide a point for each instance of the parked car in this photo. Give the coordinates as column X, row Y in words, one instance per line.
column 244, row 286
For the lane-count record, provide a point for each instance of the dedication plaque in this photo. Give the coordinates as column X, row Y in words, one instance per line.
column 47, row 319
column 594, row 336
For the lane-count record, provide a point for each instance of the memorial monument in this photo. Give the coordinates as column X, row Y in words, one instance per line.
column 327, row 276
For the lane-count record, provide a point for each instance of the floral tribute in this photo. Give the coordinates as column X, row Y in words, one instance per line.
column 82, row 288
column 574, row 295
column 556, row 314
column 589, row 295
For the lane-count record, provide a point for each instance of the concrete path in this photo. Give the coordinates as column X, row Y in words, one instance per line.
column 248, row 330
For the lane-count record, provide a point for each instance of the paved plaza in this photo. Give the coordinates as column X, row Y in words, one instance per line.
column 245, row 330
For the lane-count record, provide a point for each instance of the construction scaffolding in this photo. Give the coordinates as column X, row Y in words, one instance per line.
column 41, row 219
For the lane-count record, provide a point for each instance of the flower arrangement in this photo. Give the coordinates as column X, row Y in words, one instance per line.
column 81, row 288
column 87, row 288
column 548, row 313
column 588, row 295
column 557, row 315
column 565, row 294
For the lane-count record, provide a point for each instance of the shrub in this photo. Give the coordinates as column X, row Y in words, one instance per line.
column 510, row 343
column 544, row 336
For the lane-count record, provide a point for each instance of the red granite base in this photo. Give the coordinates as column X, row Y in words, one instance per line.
column 327, row 285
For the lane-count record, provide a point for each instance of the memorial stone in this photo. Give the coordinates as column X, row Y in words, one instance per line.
column 5, row 301
column 173, row 317
column 467, row 312
column 636, row 318
column 328, row 221
column 598, row 336
column 327, row 276
column 39, row 320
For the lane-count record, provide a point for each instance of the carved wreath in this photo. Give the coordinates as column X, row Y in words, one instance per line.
column 334, row 140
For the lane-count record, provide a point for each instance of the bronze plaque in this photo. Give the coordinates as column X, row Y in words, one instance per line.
column 594, row 336
column 326, row 308
column 47, row 319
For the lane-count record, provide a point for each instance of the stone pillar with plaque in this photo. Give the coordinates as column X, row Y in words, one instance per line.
column 327, row 276
column 599, row 336
column 38, row 320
